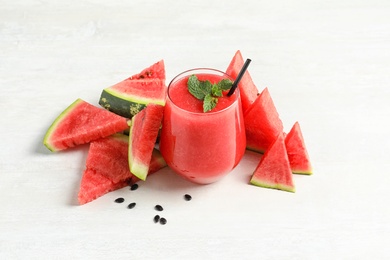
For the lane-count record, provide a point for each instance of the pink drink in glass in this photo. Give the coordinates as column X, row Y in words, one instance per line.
column 201, row 146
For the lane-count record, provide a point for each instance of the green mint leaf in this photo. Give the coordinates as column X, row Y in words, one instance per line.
column 206, row 91
column 193, row 85
column 209, row 102
column 197, row 88
column 225, row 84
column 216, row 91
column 206, row 87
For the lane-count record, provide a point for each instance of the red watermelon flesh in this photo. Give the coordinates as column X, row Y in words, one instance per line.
column 131, row 95
column 155, row 71
column 82, row 123
column 156, row 163
column 107, row 167
column 262, row 123
column 141, row 90
column 248, row 90
column 94, row 185
column 109, row 157
column 143, row 135
column 273, row 170
column 297, row 152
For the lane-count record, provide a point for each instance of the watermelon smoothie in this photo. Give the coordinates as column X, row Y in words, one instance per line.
column 201, row 146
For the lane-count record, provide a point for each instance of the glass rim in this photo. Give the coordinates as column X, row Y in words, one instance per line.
column 215, row 71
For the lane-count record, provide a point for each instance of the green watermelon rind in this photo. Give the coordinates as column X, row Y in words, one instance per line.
column 133, row 98
column 253, row 149
column 261, row 183
column 274, row 161
column 158, row 159
column 125, row 105
column 302, row 172
column 56, row 122
column 137, row 168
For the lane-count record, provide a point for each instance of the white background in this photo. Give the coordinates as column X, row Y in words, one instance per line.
column 326, row 64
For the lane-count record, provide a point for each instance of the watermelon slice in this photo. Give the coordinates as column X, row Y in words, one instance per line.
column 297, row 152
column 273, row 170
column 248, row 90
column 155, row 71
column 108, row 156
column 262, row 123
column 156, row 163
column 143, row 135
column 94, row 185
column 82, row 123
column 107, row 167
column 131, row 95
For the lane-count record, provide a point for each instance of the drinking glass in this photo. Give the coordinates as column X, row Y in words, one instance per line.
column 202, row 146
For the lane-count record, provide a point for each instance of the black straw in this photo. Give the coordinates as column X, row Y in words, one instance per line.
column 239, row 76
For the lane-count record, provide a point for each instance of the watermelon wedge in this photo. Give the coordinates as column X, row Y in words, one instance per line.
column 131, row 95
column 248, row 90
column 143, row 135
column 262, row 123
column 82, row 123
column 107, row 167
column 94, row 185
column 297, row 152
column 155, row 71
column 108, row 156
column 156, row 163
column 273, row 170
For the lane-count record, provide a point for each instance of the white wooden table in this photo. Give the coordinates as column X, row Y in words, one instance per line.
column 326, row 64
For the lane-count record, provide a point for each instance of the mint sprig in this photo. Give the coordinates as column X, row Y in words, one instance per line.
column 206, row 91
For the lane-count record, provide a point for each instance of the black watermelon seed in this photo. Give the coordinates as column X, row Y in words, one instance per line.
column 119, row 200
column 156, row 218
column 163, row 221
column 134, row 186
column 187, row 197
column 131, row 205
column 158, row 208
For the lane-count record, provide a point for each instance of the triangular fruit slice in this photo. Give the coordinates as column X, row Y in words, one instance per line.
column 131, row 95
column 128, row 97
column 262, row 123
column 273, row 170
column 156, row 163
column 107, row 167
column 248, row 90
column 143, row 135
column 94, row 185
column 155, row 71
column 297, row 152
column 108, row 156
column 82, row 123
